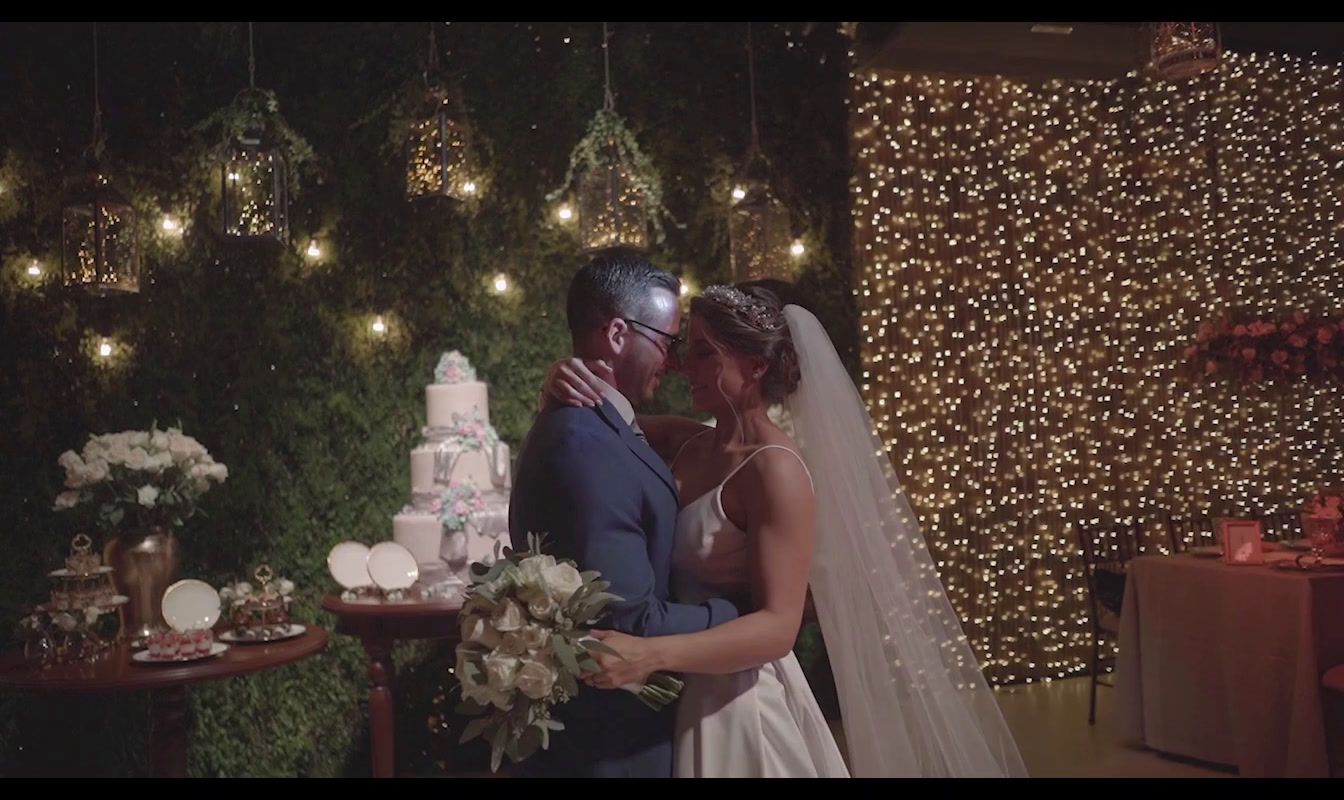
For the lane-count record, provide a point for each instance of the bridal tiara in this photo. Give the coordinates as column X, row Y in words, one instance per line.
column 758, row 314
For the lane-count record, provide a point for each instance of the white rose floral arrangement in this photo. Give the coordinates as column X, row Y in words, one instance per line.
column 525, row 644
column 153, row 477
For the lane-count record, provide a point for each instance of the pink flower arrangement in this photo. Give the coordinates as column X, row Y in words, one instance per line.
column 1256, row 350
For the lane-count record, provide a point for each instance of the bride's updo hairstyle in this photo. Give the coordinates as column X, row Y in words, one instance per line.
column 749, row 321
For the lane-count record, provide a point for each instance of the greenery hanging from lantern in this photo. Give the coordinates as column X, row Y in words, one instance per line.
column 619, row 190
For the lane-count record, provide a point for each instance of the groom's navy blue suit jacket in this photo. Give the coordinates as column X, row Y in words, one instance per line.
column 606, row 500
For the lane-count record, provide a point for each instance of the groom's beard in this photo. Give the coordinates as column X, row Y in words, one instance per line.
column 636, row 382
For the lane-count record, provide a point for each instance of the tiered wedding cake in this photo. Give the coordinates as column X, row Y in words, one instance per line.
column 460, row 478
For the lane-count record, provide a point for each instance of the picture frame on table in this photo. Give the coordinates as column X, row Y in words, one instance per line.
column 1242, row 541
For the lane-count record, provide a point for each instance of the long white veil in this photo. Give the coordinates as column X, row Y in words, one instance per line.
column 914, row 700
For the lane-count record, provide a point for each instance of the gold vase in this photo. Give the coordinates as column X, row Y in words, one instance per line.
column 146, row 563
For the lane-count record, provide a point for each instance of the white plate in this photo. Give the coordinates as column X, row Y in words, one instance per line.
column 190, row 604
column 144, row 657
column 392, row 566
column 348, row 565
column 294, row 630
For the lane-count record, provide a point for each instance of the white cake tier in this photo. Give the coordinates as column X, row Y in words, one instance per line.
column 472, row 465
column 443, row 400
column 423, row 534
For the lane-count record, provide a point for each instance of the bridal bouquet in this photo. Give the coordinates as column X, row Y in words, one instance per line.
column 524, row 647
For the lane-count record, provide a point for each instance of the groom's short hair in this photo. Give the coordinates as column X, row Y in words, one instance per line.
column 615, row 284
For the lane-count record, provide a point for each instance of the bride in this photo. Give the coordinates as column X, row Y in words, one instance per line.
column 756, row 508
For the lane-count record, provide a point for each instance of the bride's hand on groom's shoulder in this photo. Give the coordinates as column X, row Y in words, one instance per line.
column 575, row 382
column 637, row 660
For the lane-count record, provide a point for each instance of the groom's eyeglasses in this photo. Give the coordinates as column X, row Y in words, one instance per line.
column 674, row 343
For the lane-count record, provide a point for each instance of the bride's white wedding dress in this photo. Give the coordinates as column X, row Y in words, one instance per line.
column 757, row 723
column 913, row 698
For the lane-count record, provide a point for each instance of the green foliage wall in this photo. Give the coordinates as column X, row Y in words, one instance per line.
column 266, row 359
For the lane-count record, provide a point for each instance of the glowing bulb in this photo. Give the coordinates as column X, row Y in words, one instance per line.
column 169, row 224
column 105, row 348
column 34, row 270
column 314, row 251
column 469, row 187
column 379, row 327
column 501, row 283
column 739, row 193
column 233, row 176
column 565, row 213
column 685, row 290
column 797, row 248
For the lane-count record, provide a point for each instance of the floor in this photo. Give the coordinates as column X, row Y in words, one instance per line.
column 1049, row 723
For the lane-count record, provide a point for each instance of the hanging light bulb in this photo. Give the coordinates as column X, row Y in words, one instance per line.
column 501, row 283
column 105, row 348
column 739, row 193
column 797, row 249
column 565, row 213
column 35, row 269
column 170, row 225
column 379, row 327
column 469, row 187
column 314, row 250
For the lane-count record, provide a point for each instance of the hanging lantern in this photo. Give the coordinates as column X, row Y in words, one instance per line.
column 611, row 206
column 759, row 227
column 255, row 201
column 438, row 161
column 1184, row 49
column 619, row 191
column 760, row 232
column 98, row 246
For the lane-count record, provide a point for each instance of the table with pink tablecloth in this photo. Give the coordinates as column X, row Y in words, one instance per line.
column 1223, row 663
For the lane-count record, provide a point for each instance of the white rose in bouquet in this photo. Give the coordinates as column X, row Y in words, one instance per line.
column 533, row 572
column 562, row 581
column 534, row 636
column 542, row 606
column 217, row 473
column 508, row 617
column 536, row 677
column 501, row 670
column 477, row 629
column 159, row 442
column 471, row 673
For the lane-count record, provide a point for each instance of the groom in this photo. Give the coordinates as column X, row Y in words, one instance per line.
column 587, row 478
